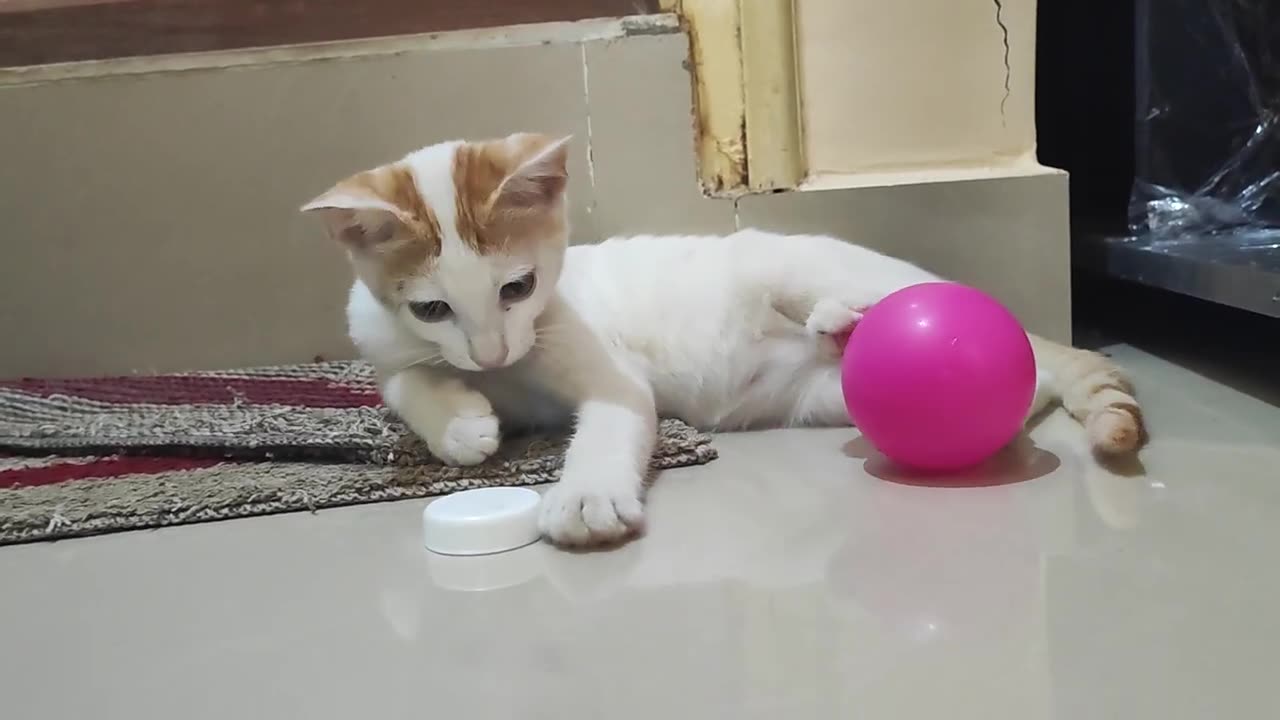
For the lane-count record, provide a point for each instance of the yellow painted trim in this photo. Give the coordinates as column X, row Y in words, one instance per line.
column 775, row 148
column 719, row 112
column 746, row 94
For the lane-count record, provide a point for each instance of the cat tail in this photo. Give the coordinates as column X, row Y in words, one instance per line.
column 1095, row 391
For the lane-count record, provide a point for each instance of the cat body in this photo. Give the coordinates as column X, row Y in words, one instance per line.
column 481, row 320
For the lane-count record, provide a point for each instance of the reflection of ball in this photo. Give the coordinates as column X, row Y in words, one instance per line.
column 938, row 376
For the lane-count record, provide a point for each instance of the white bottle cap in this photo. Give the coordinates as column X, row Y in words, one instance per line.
column 481, row 521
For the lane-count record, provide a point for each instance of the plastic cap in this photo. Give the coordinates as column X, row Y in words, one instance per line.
column 481, row 521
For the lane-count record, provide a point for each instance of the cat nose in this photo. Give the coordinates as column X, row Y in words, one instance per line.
column 489, row 351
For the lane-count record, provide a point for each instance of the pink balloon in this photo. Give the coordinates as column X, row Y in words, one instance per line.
column 938, row 376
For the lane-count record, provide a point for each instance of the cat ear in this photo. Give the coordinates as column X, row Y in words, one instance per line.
column 355, row 217
column 539, row 182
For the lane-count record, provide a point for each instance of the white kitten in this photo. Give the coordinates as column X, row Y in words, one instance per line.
column 478, row 318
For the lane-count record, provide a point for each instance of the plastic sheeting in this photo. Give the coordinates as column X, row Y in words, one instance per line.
column 1208, row 121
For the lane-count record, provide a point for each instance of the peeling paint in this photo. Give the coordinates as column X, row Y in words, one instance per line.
column 637, row 25
column 719, row 113
column 732, row 149
column 591, row 158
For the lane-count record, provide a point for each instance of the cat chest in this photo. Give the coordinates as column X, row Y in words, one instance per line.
column 520, row 401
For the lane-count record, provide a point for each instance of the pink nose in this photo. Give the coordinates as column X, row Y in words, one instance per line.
column 491, row 354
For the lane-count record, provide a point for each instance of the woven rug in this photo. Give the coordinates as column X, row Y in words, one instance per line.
column 80, row 457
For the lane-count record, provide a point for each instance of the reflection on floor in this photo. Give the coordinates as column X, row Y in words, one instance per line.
column 791, row 577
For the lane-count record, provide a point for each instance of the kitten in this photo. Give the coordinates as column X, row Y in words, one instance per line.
column 480, row 320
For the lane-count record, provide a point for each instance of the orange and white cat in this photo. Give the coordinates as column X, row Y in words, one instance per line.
column 480, row 318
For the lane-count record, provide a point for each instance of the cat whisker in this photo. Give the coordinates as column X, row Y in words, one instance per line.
column 551, row 332
column 553, row 329
column 546, row 343
column 432, row 359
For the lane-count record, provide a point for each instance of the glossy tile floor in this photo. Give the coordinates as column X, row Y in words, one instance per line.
column 790, row 578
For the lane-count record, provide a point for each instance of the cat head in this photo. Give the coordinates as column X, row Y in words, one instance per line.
column 462, row 241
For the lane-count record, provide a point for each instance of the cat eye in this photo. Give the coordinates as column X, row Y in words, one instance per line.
column 430, row 312
column 517, row 290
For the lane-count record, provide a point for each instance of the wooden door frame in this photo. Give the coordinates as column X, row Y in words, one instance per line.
column 746, row 94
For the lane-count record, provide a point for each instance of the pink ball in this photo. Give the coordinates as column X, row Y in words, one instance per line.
column 938, row 376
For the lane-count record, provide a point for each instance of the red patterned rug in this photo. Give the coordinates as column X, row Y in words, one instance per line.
column 86, row 456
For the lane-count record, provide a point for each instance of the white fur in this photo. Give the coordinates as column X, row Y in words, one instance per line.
column 723, row 332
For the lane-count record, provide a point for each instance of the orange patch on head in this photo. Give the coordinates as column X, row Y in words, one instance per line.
column 394, row 185
column 394, row 236
column 483, row 177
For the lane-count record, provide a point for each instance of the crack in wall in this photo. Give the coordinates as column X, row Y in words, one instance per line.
column 1008, row 72
column 591, row 157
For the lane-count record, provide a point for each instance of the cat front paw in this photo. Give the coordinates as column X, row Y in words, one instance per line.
column 583, row 514
column 831, row 322
column 833, row 317
column 467, row 440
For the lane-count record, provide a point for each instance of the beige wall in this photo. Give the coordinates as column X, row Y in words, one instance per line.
column 891, row 85
column 1006, row 235
column 150, row 212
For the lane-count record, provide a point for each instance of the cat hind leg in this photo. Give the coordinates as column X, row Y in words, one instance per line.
column 819, row 401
